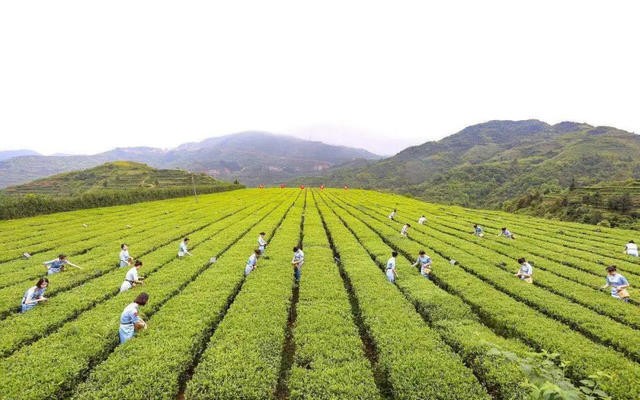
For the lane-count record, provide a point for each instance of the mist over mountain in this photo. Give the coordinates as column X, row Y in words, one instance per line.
column 7, row 154
column 250, row 157
column 344, row 136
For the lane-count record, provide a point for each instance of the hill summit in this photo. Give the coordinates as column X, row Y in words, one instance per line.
column 251, row 157
column 489, row 164
column 117, row 175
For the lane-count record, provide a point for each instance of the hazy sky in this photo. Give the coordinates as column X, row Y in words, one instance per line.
column 86, row 76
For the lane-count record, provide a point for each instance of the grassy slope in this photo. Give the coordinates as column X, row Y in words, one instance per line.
column 488, row 165
column 118, row 175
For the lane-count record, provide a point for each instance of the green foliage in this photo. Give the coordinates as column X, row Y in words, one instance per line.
column 92, row 336
column 477, row 283
column 91, row 188
column 417, row 363
column 513, row 165
column 474, row 331
column 165, row 355
column 254, row 328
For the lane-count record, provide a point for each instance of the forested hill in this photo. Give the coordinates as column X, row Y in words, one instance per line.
column 119, row 175
column 487, row 164
column 120, row 182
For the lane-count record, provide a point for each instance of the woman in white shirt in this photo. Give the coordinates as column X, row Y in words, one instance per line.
column 184, row 250
column 297, row 261
column 631, row 249
column 526, row 271
column 262, row 244
column 405, row 230
column 390, row 269
column 132, row 278
column 393, row 214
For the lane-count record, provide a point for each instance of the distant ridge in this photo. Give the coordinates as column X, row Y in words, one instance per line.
column 7, row 154
column 250, row 157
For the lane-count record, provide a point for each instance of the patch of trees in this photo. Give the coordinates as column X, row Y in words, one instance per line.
column 34, row 204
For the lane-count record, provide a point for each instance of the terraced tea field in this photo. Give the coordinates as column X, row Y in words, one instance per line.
column 472, row 332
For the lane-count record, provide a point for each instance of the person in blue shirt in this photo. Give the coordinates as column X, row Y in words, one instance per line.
column 506, row 233
column 297, row 261
column 526, row 271
column 130, row 321
column 252, row 262
column 34, row 295
column 424, row 262
column 477, row 230
column 390, row 269
column 124, row 255
column 57, row 265
column 618, row 283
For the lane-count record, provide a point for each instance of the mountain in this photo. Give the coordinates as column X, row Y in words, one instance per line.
column 488, row 164
column 113, row 176
column 250, row 157
column 259, row 157
column 5, row 155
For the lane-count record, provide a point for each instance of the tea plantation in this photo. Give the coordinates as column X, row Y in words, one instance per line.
column 473, row 331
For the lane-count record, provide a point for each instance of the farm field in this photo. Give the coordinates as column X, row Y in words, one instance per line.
column 473, row 331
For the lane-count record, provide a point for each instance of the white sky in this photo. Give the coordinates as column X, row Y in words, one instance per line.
column 87, row 76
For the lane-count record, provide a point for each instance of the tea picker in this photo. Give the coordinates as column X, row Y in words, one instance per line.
column 393, row 214
column 184, row 250
column 424, row 261
column 477, row 230
column 506, row 233
column 262, row 243
column 58, row 264
column 297, row 261
column 390, row 269
column 631, row 249
column 130, row 321
column 34, row 295
column 132, row 279
column 405, row 230
column 252, row 262
column 525, row 272
column 618, row 283
column 124, row 255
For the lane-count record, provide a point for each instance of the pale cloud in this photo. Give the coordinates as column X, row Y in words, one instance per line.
column 83, row 77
